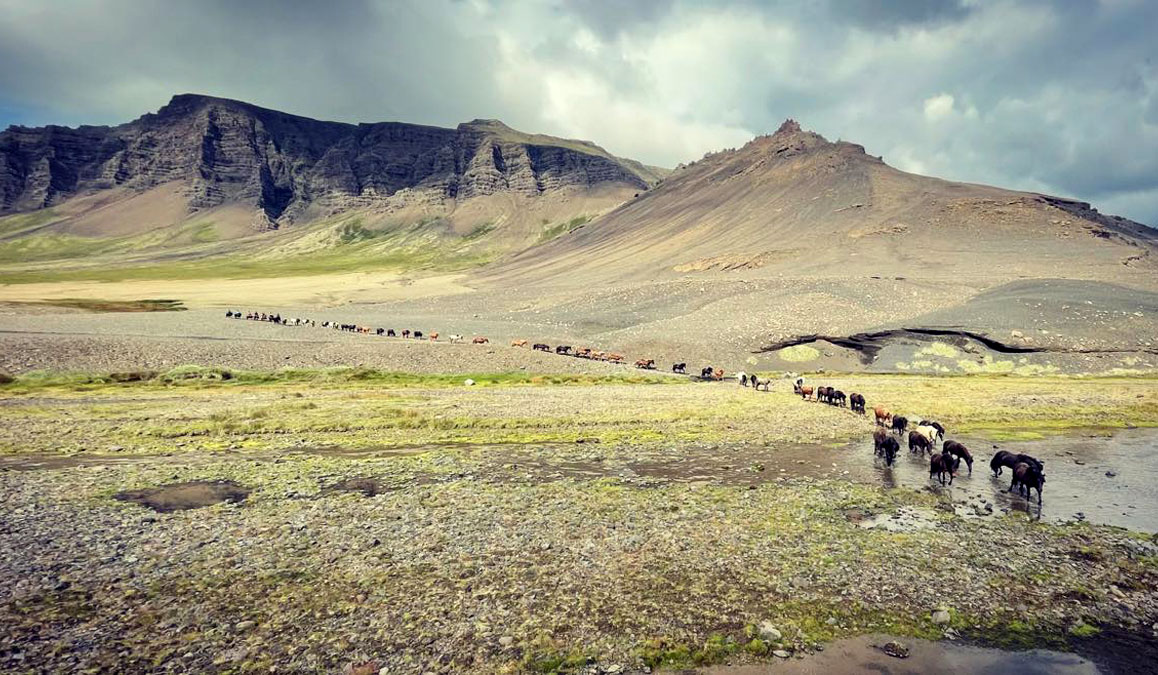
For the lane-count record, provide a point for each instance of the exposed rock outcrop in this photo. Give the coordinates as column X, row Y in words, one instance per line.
column 227, row 151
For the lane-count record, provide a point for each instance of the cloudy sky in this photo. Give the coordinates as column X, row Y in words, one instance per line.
column 1059, row 97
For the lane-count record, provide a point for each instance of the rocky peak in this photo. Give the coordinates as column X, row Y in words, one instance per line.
column 789, row 126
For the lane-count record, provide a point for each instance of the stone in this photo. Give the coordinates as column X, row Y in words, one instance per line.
column 769, row 632
column 468, row 382
column 245, row 625
column 780, row 653
column 941, row 616
column 896, row 650
column 506, row 642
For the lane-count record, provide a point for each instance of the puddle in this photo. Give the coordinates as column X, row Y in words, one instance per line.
column 1116, row 483
column 861, row 655
column 184, row 496
column 369, row 487
column 905, row 519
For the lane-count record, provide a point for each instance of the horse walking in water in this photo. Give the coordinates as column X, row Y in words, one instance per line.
column 1026, row 478
column 941, row 464
column 959, row 451
column 1004, row 458
column 889, row 450
column 918, row 442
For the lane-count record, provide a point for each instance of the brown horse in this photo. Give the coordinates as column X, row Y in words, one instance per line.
column 805, row 392
column 518, row 343
column 480, row 341
column 942, row 464
column 918, row 441
column 618, row 358
column 959, row 451
column 717, row 374
column 883, row 416
column 879, row 436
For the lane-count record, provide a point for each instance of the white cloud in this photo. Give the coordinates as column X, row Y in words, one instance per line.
column 938, row 107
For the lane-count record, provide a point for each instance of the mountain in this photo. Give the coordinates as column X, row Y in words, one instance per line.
column 795, row 203
column 200, row 153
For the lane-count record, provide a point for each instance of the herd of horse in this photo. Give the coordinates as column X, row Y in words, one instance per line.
column 1028, row 472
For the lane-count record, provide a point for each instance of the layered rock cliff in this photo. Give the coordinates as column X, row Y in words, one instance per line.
column 225, row 151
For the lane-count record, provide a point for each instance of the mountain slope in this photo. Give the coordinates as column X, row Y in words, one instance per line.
column 284, row 169
column 795, row 203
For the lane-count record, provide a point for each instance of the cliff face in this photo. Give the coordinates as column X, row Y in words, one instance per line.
column 231, row 152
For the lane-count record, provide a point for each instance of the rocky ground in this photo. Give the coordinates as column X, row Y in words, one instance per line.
column 430, row 527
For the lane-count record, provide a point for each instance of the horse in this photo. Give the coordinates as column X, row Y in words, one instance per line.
column 941, row 464
column 390, row 333
column 679, row 368
column 380, row 331
column 856, row 402
column 717, row 374
column 563, row 349
column 917, row 441
column 743, row 378
column 406, row 333
column 757, row 383
column 928, row 432
column 1008, row 459
column 883, row 416
column 936, row 425
column 479, row 340
column 434, row 337
column 879, row 436
column 823, row 394
column 838, row 398
column 540, row 347
column 706, row 372
column 959, row 451
column 618, row 358
column 229, row 314
column 417, row 335
column 1027, row 477
column 889, row 450
column 455, row 338
column 804, row 392
column 646, row 364
column 900, row 424
column 518, row 343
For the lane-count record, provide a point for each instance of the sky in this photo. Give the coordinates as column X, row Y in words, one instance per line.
column 1058, row 97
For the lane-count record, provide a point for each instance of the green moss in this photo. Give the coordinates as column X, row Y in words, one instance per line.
column 799, row 353
column 1082, row 630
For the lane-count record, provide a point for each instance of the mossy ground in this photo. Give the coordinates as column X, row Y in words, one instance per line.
column 467, row 562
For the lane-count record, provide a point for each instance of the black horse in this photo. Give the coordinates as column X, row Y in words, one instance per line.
column 679, row 368
column 900, row 424
column 959, row 451
column 889, row 449
column 1026, row 478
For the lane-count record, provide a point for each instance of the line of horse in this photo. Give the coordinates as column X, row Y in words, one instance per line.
column 708, row 373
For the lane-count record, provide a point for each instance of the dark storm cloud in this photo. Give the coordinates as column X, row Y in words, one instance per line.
column 1058, row 97
column 898, row 13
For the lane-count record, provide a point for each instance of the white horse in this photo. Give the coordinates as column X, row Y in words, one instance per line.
column 454, row 338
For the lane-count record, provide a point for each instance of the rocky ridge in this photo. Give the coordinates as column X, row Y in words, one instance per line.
column 289, row 167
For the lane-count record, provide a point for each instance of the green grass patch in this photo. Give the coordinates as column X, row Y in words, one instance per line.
column 559, row 229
